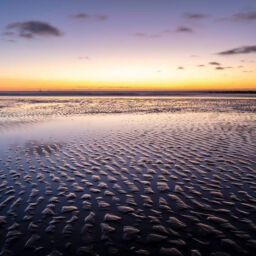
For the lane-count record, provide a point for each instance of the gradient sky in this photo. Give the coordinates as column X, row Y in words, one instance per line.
column 135, row 44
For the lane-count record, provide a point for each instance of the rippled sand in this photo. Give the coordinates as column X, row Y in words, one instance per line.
column 128, row 176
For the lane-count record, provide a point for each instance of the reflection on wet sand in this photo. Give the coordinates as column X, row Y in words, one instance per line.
column 169, row 183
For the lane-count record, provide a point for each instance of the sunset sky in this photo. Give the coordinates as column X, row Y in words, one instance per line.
column 135, row 44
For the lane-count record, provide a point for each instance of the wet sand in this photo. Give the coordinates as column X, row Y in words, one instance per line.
column 128, row 176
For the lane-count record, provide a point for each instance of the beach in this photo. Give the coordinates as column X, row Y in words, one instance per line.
column 128, row 175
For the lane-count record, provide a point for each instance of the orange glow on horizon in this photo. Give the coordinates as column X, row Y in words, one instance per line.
column 48, row 85
column 126, row 76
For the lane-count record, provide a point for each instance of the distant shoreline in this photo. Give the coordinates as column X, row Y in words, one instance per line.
column 134, row 93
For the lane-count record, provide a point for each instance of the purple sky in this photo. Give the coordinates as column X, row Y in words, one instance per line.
column 123, row 44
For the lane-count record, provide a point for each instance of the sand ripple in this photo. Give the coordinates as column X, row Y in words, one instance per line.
column 172, row 184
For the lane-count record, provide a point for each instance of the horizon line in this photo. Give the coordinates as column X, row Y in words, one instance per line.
column 149, row 92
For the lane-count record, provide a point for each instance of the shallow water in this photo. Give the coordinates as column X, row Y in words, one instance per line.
column 127, row 176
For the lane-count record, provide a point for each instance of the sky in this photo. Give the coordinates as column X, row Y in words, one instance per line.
column 135, row 44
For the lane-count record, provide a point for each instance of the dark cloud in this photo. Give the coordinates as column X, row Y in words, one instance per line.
column 180, row 68
column 214, row 63
column 201, row 66
column 218, row 66
column 195, row 16
column 91, row 17
column 239, row 50
column 31, row 29
column 184, row 30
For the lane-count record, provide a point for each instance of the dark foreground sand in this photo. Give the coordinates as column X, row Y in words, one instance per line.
column 128, row 176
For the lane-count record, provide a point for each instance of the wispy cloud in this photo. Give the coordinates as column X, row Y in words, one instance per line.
column 219, row 68
column 195, row 16
column 183, row 29
column 244, row 16
column 84, row 58
column 31, row 29
column 194, row 56
column 90, row 17
column 165, row 32
column 222, row 68
column 146, row 35
column 214, row 63
column 240, row 50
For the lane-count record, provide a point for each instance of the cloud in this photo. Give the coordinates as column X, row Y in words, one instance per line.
column 249, row 16
column 184, row 30
column 195, row 16
column 180, row 68
column 164, row 33
column 31, row 29
column 240, row 50
column 84, row 58
column 244, row 16
column 145, row 35
column 90, row 17
column 248, row 61
column 222, row 68
column 8, row 33
column 214, row 63
column 200, row 65
column 141, row 34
